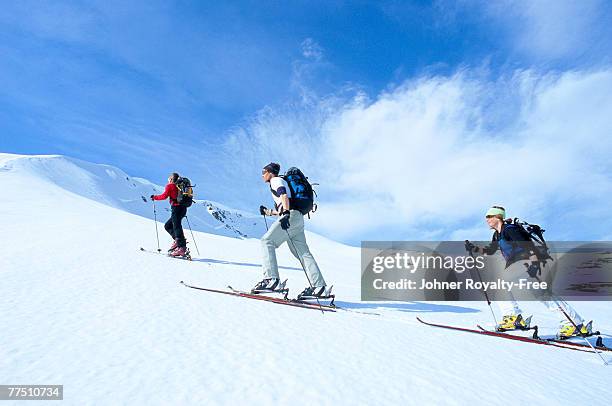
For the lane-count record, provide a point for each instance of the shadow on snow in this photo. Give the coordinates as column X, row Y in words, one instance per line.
column 408, row 307
column 223, row 262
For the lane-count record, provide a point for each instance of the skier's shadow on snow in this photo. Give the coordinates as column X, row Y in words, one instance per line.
column 417, row 307
column 220, row 261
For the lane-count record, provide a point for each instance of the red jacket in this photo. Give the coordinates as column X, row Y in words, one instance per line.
column 171, row 192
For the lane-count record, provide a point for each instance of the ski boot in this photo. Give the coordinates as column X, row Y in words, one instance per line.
column 514, row 322
column 268, row 285
column 318, row 292
column 173, row 246
column 180, row 252
column 568, row 330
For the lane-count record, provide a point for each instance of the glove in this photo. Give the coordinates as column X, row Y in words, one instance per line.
column 284, row 221
column 152, row 197
column 264, row 211
column 534, row 269
column 469, row 246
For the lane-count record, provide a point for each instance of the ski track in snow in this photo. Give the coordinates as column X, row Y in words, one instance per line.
column 83, row 307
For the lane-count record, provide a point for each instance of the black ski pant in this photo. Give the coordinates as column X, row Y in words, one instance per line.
column 174, row 225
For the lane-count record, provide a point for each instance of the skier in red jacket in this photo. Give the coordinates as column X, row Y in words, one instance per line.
column 174, row 226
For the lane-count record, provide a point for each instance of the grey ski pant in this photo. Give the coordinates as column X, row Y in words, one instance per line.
column 295, row 238
column 514, row 273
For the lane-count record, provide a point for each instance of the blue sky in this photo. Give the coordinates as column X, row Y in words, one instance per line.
column 405, row 111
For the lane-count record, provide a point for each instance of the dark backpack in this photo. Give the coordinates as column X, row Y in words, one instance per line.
column 302, row 194
column 185, row 192
column 535, row 234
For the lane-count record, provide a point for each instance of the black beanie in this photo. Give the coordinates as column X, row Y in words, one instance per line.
column 272, row 167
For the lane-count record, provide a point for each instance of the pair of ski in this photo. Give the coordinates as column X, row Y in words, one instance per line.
column 284, row 300
column 186, row 257
column 599, row 346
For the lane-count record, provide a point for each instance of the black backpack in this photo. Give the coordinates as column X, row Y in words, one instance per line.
column 302, row 194
column 185, row 192
column 535, row 234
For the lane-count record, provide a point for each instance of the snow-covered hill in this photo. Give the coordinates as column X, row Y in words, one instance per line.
column 83, row 307
column 111, row 186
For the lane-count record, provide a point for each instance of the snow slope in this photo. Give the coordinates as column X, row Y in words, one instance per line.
column 111, row 186
column 83, row 307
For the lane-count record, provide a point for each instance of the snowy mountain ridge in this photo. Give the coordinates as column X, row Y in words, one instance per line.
column 111, row 186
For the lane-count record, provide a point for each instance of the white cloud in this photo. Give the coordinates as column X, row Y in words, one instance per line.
column 311, row 49
column 549, row 28
column 435, row 152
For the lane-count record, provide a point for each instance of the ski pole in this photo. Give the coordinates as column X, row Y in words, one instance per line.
column 576, row 327
column 192, row 236
column 265, row 221
column 304, row 269
column 156, row 233
column 484, row 291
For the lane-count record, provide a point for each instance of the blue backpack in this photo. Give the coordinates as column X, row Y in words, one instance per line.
column 302, row 194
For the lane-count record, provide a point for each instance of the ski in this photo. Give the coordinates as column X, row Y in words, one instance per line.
column 186, row 257
column 482, row 331
column 308, row 301
column 282, row 301
column 598, row 344
column 285, row 292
